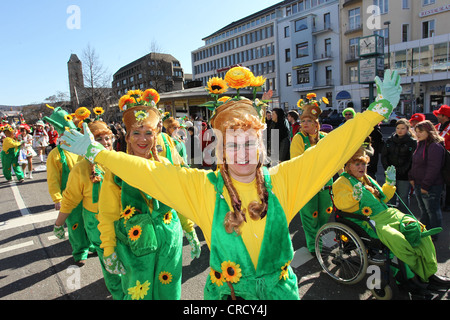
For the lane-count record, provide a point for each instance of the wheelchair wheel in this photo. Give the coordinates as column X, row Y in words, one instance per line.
column 341, row 253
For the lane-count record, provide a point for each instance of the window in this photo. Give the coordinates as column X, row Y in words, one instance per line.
column 288, row 79
column 428, row 29
column 302, row 49
column 405, row 32
column 303, row 76
column 427, row 2
column 353, row 48
column 353, row 74
column 326, row 20
column 405, row 4
column 287, row 32
column 301, row 25
column 383, row 33
column 287, row 54
column 383, row 5
column 354, row 18
column 329, row 75
column 328, row 47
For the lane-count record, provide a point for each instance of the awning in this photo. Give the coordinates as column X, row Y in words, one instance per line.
column 343, row 95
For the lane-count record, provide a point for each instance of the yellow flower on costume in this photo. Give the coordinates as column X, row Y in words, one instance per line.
column 315, row 214
column 82, row 113
column 300, row 103
column 98, row 111
column 231, row 271
column 216, row 277
column 309, row 96
column 239, row 77
column 135, row 93
column 329, row 210
column 135, row 233
column 128, row 212
column 258, row 81
column 139, row 291
column 126, row 100
column 165, row 277
column 68, row 117
column 224, row 99
column 285, row 271
column 75, row 226
column 325, row 100
column 217, row 86
column 366, row 211
column 168, row 217
column 140, row 115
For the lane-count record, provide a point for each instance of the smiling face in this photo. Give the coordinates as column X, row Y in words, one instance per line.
column 106, row 140
column 140, row 140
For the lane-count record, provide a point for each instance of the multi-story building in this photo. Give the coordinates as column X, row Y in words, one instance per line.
column 416, row 35
column 159, row 71
column 308, row 50
column 249, row 42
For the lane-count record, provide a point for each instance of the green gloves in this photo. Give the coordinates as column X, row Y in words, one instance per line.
column 113, row 264
column 388, row 94
column 59, row 232
column 81, row 144
column 194, row 243
column 390, row 175
column 357, row 191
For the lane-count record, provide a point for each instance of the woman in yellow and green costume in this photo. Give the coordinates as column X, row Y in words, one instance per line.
column 83, row 186
column 142, row 237
column 243, row 208
column 10, row 154
column 59, row 164
column 317, row 211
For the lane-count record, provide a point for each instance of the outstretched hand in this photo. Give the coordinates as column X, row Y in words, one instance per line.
column 81, row 144
column 388, row 93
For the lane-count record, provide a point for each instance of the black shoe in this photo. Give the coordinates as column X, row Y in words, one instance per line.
column 438, row 283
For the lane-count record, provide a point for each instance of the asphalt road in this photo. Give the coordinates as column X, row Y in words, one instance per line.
column 34, row 265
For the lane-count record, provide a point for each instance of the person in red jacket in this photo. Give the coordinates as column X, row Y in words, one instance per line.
column 52, row 136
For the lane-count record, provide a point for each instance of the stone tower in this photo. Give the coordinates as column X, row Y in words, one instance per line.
column 76, row 83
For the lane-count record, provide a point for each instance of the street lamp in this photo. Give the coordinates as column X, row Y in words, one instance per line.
column 388, row 23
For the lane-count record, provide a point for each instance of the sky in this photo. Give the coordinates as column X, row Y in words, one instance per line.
column 38, row 37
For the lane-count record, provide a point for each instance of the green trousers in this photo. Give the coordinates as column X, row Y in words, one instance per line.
column 113, row 282
column 10, row 159
column 314, row 215
column 77, row 234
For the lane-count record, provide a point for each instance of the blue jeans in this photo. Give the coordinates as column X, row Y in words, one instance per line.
column 403, row 189
column 430, row 206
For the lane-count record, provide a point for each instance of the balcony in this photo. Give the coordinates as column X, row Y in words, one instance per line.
column 353, row 28
column 323, row 84
column 319, row 57
column 352, row 57
column 326, row 28
column 349, row 2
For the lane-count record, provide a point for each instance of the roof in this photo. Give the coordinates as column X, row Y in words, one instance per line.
column 152, row 56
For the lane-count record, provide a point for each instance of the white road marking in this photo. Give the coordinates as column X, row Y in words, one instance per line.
column 17, row 246
column 20, row 203
column 51, row 238
column 28, row 219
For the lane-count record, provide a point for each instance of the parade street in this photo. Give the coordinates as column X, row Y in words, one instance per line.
column 35, row 265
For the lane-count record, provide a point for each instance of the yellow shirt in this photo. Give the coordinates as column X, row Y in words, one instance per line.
column 110, row 207
column 9, row 143
column 79, row 188
column 298, row 145
column 294, row 182
column 54, row 171
column 343, row 195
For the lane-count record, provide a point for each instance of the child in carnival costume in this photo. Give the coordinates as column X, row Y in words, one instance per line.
column 10, row 154
column 166, row 145
column 83, row 186
column 59, row 164
column 26, row 150
column 244, row 209
column 356, row 192
column 142, row 237
column 317, row 211
column 172, row 126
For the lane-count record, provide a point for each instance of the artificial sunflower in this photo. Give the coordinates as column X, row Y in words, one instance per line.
column 125, row 102
column 224, row 99
column 217, row 86
column 310, row 96
column 258, row 81
column 285, row 271
column 135, row 233
column 239, row 77
column 329, row 210
column 315, row 214
column 68, row 117
column 165, row 277
column 82, row 113
column 127, row 213
column 139, row 291
column 168, row 217
column 150, row 95
column 216, row 277
column 135, row 93
column 366, row 211
column 75, row 226
column 231, row 271
column 98, row 111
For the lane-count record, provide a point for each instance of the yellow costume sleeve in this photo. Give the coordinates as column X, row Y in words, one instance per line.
column 9, row 143
column 109, row 208
column 79, row 188
column 297, row 146
column 177, row 159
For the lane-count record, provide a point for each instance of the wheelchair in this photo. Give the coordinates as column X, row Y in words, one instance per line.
column 345, row 251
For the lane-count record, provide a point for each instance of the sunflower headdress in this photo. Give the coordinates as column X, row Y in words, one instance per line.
column 311, row 108
column 237, row 78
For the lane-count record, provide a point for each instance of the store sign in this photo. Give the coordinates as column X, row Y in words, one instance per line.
column 370, row 68
column 437, row 10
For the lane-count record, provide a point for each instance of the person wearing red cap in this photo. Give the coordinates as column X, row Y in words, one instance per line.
column 416, row 118
column 443, row 127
